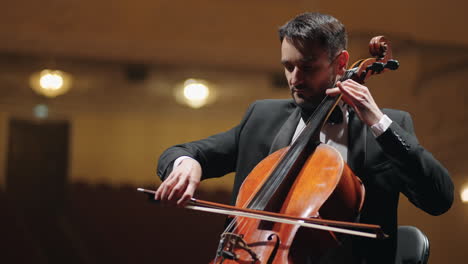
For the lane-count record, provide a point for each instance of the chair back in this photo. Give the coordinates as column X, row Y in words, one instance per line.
column 412, row 247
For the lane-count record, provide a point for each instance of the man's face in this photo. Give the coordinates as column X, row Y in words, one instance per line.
column 309, row 72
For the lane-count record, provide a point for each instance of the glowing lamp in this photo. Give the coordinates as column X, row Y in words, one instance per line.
column 195, row 93
column 50, row 83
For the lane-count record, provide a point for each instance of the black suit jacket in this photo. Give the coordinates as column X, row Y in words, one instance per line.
column 392, row 163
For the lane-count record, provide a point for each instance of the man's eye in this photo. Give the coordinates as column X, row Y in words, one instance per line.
column 289, row 68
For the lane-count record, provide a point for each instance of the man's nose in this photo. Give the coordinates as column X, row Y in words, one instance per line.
column 297, row 77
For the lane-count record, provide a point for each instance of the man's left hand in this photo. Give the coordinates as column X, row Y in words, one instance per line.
column 360, row 99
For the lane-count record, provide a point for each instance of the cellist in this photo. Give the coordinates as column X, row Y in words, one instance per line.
column 379, row 145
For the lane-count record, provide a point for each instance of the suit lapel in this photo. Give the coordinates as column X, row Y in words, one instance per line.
column 286, row 132
column 357, row 133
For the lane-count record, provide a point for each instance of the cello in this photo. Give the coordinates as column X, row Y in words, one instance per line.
column 304, row 183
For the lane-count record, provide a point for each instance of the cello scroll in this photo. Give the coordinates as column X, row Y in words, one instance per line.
column 381, row 50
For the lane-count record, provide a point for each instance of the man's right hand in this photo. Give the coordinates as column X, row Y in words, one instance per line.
column 180, row 185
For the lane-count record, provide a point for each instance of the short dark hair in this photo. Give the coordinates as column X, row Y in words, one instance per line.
column 315, row 28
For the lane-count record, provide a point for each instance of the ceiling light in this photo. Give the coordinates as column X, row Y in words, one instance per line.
column 50, row 83
column 464, row 194
column 195, row 93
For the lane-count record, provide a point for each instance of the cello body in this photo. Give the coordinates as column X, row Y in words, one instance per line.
column 322, row 184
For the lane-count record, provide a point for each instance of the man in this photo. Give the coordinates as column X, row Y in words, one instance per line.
column 378, row 145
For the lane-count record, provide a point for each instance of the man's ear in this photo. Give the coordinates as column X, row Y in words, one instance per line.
column 342, row 62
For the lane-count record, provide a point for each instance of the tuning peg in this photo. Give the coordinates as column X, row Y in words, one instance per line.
column 392, row 65
column 376, row 67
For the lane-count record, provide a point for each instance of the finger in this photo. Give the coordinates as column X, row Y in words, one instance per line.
column 342, row 87
column 188, row 194
column 177, row 190
column 350, row 93
column 157, row 194
column 351, row 86
column 357, row 92
column 333, row 91
column 351, row 82
column 160, row 189
column 184, row 199
column 167, row 186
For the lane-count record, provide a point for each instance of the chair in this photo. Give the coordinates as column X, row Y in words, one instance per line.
column 412, row 247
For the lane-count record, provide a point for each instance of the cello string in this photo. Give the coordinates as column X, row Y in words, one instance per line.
column 271, row 187
column 243, row 222
column 320, row 111
column 347, row 75
column 244, row 225
column 294, row 150
column 327, row 105
column 277, row 181
column 262, row 195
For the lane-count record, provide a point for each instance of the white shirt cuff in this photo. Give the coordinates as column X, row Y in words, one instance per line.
column 379, row 128
column 179, row 160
